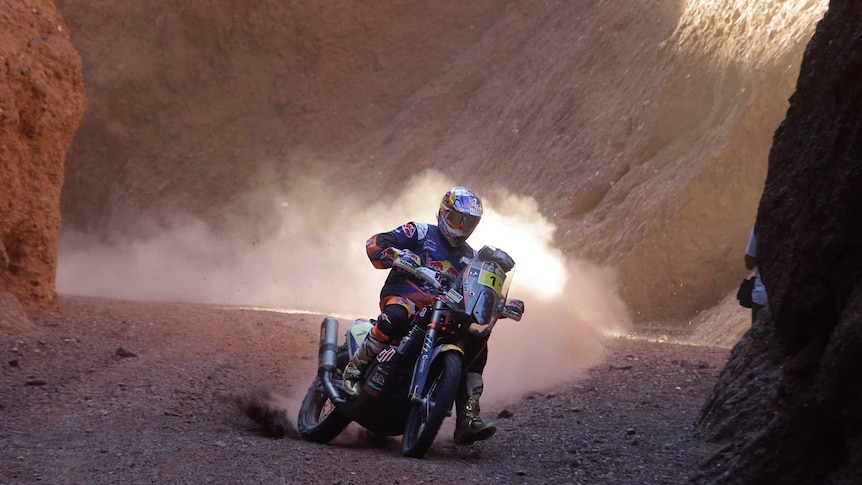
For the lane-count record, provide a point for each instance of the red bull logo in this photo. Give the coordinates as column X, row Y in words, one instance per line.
column 443, row 267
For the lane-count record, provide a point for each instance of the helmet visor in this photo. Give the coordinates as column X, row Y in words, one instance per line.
column 461, row 221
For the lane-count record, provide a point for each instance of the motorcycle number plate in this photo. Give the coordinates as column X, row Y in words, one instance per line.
column 491, row 280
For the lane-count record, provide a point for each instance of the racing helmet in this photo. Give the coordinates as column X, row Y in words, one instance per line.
column 459, row 214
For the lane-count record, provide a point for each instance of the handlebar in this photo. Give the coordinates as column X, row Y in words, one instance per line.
column 425, row 274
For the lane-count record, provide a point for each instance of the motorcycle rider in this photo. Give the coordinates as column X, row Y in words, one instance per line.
column 440, row 247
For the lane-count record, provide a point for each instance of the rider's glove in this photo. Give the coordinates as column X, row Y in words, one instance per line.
column 513, row 309
column 407, row 258
column 445, row 280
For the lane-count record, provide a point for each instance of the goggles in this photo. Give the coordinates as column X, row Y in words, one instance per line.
column 461, row 221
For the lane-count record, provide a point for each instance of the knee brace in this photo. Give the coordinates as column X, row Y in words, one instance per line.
column 393, row 322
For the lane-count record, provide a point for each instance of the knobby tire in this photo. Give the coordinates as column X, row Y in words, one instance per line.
column 319, row 421
column 423, row 421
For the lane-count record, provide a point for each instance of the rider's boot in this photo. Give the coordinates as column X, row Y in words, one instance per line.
column 470, row 427
column 354, row 372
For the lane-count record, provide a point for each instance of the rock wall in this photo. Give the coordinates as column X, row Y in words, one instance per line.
column 641, row 131
column 194, row 104
column 789, row 402
column 41, row 103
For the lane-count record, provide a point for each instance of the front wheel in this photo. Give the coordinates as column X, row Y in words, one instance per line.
column 319, row 421
column 425, row 417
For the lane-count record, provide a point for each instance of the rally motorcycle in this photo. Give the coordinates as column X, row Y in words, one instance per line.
column 411, row 385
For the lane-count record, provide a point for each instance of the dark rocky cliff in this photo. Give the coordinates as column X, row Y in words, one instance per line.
column 789, row 402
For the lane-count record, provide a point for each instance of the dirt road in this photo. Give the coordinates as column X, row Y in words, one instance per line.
column 107, row 391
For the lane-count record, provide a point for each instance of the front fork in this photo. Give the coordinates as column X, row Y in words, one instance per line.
column 429, row 352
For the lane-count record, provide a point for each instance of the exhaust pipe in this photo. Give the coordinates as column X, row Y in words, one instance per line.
column 327, row 358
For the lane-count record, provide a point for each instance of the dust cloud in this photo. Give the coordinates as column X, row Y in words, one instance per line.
column 316, row 263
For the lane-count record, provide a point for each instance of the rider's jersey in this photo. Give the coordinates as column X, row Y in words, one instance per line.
column 424, row 240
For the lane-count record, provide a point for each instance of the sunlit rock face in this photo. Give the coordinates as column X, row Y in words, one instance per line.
column 641, row 129
column 41, row 103
column 790, row 399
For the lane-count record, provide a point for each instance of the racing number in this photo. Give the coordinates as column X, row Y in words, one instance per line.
column 491, row 280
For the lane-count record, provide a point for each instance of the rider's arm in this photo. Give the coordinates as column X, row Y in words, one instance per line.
column 751, row 250
column 380, row 247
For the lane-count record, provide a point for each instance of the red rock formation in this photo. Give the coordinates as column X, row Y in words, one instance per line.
column 41, row 103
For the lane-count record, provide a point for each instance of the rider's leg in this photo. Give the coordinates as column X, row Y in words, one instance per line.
column 392, row 323
column 470, row 427
column 354, row 372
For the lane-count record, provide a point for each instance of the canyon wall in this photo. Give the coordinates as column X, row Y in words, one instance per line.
column 41, row 103
column 642, row 132
column 788, row 405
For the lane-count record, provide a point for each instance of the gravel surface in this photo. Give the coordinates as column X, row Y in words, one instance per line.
column 107, row 391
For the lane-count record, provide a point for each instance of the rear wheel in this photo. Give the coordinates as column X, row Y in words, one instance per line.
column 425, row 417
column 319, row 420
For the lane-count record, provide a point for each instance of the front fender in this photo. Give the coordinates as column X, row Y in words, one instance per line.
column 445, row 348
column 420, row 373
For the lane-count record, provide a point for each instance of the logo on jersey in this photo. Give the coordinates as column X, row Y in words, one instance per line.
column 443, row 267
column 385, row 355
column 409, row 229
column 431, row 241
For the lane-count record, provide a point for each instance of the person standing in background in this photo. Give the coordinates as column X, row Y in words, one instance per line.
column 758, row 294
